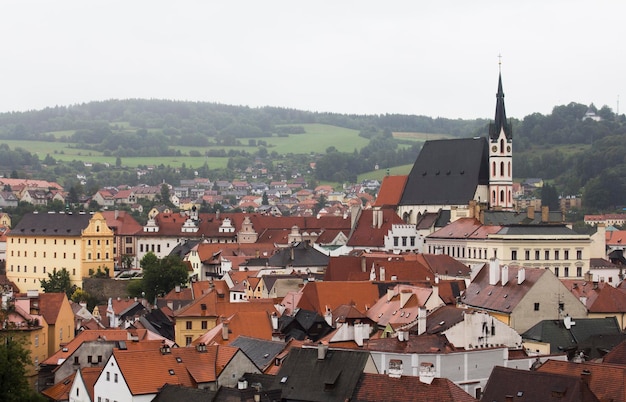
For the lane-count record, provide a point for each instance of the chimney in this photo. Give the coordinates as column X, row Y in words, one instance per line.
column 355, row 212
column 405, row 295
column 117, row 213
column 382, row 273
column 274, row 319
column 225, row 330
column 421, row 320
column 545, row 214
column 494, row 271
column 358, row 333
column 521, row 276
column 374, row 218
column 363, row 262
column 322, row 349
column 427, row 373
column 292, row 256
column 530, row 211
column 390, row 294
column 472, row 208
column 177, row 288
column 380, row 218
column 328, row 316
column 505, row 275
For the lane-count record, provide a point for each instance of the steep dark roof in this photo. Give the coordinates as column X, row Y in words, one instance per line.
column 305, row 377
column 51, row 225
column 447, row 172
column 171, row 392
column 500, row 118
column 563, row 339
column 260, row 351
column 299, row 255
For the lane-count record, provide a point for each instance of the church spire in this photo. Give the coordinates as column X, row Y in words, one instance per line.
column 500, row 122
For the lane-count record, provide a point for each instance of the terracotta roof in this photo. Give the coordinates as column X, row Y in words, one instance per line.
column 465, row 228
column 122, row 223
column 425, row 343
column 617, row 355
column 320, row 296
column 50, row 306
column 451, row 290
column 212, row 305
column 61, row 390
column 391, row 191
column 253, row 324
column 600, row 297
column 614, row 237
column 366, row 234
column 90, row 376
column 381, row 387
column 606, row 381
column 448, row 315
column 400, row 306
column 443, row 264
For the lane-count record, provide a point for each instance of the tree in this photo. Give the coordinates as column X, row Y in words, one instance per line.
column 265, row 200
column 165, row 194
column 118, row 162
column 57, row 282
column 14, row 358
column 162, row 275
column 549, row 197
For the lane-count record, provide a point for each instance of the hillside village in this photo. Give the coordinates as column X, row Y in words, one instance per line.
column 449, row 285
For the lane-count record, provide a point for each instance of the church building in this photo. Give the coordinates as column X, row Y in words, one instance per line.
column 449, row 174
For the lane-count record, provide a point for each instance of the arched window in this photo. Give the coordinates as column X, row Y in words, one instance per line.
column 501, row 168
column 493, row 169
column 509, row 169
column 502, row 196
column 509, row 197
column 501, row 146
column 493, row 197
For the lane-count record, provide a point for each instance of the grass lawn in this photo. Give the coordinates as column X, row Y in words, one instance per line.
column 380, row 173
column 420, row 136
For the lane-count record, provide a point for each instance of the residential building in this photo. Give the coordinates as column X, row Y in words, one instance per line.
column 41, row 243
column 521, row 297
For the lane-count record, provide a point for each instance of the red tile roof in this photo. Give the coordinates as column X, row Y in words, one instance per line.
column 320, row 296
column 606, row 381
column 391, row 191
column 381, row 387
column 366, row 234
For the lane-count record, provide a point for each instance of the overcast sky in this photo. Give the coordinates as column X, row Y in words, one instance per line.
column 433, row 58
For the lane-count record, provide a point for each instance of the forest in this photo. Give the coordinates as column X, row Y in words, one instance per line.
column 574, row 154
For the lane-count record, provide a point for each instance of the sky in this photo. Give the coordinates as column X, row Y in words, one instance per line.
column 433, row 58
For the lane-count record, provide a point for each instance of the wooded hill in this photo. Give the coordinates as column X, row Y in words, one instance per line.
column 576, row 155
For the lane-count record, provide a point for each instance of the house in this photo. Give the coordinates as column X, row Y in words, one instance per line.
column 300, row 257
column 467, row 328
column 124, row 228
column 570, row 336
column 34, row 247
column 77, row 387
column 304, row 324
column 254, row 324
column 520, row 297
column 323, row 297
column 262, row 352
column 509, row 384
column 138, row 375
column 382, row 230
column 601, row 299
column 90, row 348
column 204, row 313
column 322, row 374
column 8, row 199
column 529, row 240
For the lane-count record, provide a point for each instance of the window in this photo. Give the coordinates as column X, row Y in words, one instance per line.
column 204, row 325
column 556, row 271
column 115, row 377
column 561, row 306
column 514, row 254
column 188, row 324
column 412, row 239
column 536, row 306
column 99, row 358
column 403, row 241
column 89, row 242
column 89, row 359
column 579, row 271
column 108, row 376
column 566, row 272
column 527, row 255
column 566, row 254
column 76, row 360
column 579, row 254
column 556, row 254
column 547, row 255
column 188, row 340
column 129, row 240
column 36, row 340
column 98, row 242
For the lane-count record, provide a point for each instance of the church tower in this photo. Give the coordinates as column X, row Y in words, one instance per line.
column 500, row 157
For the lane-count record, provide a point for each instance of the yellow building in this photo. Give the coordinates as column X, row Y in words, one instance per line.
column 40, row 243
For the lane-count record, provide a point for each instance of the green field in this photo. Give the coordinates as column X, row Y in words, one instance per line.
column 420, row 136
column 380, row 173
column 318, row 138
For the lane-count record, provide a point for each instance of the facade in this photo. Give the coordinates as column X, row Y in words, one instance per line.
column 41, row 243
column 542, row 245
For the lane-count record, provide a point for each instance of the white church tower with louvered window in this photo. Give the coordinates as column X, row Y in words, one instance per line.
column 500, row 157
